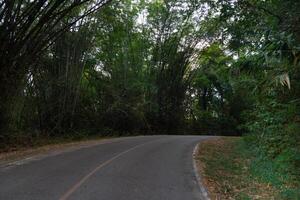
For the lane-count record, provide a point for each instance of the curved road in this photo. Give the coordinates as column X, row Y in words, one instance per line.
column 133, row 168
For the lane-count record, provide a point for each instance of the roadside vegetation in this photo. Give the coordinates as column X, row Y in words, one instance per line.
column 40, row 147
column 230, row 169
column 79, row 69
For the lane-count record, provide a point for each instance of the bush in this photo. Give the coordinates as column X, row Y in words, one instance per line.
column 273, row 134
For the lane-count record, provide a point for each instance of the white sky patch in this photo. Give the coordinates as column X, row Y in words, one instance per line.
column 235, row 57
column 100, row 68
column 142, row 17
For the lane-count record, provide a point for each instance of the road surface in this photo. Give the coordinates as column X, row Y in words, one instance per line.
column 133, row 168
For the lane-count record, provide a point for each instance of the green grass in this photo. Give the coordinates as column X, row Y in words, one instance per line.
column 227, row 170
column 234, row 170
column 277, row 173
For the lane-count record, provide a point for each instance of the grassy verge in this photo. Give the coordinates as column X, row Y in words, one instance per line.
column 41, row 145
column 22, row 142
column 227, row 169
column 17, row 141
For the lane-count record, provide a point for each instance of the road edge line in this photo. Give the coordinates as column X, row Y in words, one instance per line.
column 204, row 192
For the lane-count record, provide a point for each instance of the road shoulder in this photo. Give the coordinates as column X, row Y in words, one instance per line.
column 28, row 154
column 225, row 171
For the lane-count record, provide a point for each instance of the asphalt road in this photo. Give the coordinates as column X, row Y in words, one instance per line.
column 134, row 168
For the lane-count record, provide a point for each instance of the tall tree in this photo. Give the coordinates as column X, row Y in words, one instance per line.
column 26, row 29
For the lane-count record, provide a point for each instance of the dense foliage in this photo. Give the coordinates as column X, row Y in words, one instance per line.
column 227, row 67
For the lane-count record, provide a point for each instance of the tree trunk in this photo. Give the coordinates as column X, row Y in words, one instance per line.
column 11, row 87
